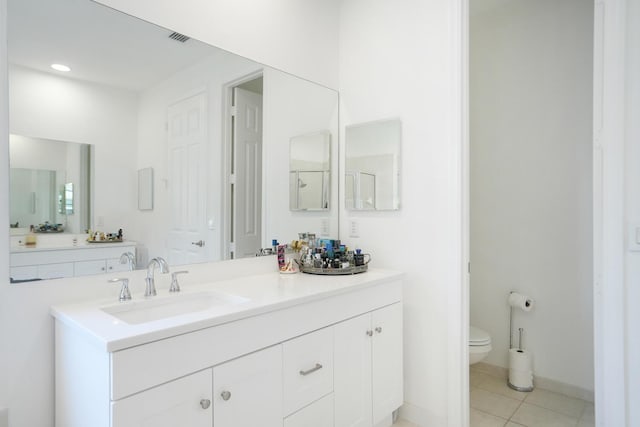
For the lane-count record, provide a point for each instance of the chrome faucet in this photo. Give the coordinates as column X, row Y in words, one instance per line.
column 129, row 259
column 151, row 286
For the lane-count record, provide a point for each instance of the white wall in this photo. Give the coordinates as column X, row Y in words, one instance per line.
column 396, row 62
column 531, row 181
column 632, row 183
column 5, row 345
column 290, row 35
column 46, row 106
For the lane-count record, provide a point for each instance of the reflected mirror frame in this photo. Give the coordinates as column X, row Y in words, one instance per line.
column 297, row 175
column 353, row 178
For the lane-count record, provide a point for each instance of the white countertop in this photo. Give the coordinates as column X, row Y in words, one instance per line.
column 265, row 293
column 80, row 245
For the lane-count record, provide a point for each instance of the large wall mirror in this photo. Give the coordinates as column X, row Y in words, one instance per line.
column 213, row 126
column 372, row 165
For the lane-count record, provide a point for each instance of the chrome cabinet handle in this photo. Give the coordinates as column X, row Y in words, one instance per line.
column 198, row 243
column 369, row 333
column 205, row 403
column 312, row 370
column 379, row 329
column 226, row 395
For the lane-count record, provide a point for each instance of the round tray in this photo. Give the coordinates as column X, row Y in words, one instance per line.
column 334, row 271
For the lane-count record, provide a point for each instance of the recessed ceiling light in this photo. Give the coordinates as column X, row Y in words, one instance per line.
column 60, row 67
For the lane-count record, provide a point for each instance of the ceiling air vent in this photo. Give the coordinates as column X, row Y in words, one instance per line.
column 178, row 37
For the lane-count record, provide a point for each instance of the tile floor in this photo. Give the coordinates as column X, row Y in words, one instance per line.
column 493, row 403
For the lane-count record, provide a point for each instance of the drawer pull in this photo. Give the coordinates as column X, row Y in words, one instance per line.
column 226, row 395
column 205, row 403
column 312, row 370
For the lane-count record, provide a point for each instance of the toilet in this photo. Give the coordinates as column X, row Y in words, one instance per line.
column 479, row 344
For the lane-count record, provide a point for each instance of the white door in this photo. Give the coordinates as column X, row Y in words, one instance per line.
column 387, row 361
column 248, row 390
column 187, row 187
column 183, row 402
column 247, row 199
column 352, row 372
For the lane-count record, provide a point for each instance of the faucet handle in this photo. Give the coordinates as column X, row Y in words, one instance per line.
column 125, row 295
column 175, row 287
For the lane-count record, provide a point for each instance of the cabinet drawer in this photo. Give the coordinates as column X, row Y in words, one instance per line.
column 307, row 369
column 318, row 414
column 84, row 268
column 55, row 271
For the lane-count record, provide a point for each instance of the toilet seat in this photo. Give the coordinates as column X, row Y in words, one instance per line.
column 478, row 337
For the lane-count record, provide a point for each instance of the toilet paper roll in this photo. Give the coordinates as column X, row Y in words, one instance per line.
column 520, row 370
column 523, row 302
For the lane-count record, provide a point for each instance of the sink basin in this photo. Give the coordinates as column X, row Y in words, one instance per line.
column 143, row 311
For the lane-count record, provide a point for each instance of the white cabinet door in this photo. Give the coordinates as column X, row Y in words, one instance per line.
column 183, row 402
column 85, row 268
column 114, row 265
column 387, row 361
column 248, row 390
column 352, row 372
column 368, row 367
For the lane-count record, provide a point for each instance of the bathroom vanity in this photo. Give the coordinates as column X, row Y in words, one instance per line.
column 53, row 262
column 264, row 350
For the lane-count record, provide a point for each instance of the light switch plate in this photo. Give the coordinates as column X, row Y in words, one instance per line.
column 633, row 237
column 324, row 227
column 354, row 228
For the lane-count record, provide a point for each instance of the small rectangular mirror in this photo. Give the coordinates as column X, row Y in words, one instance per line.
column 372, row 165
column 145, row 189
column 68, row 199
column 310, row 171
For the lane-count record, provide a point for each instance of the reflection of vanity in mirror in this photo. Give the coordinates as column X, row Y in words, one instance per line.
column 145, row 97
column 372, row 165
column 310, row 171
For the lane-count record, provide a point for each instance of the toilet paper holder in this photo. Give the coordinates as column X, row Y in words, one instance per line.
column 527, row 305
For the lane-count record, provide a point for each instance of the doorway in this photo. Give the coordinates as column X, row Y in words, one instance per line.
column 243, row 177
column 531, row 79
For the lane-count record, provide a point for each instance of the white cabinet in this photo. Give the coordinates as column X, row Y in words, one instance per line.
column 368, row 367
column 182, row 402
column 248, row 390
column 53, row 263
column 335, row 361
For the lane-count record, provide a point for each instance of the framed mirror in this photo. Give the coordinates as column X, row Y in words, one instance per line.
column 135, row 94
column 372, row 165
column 310, row 171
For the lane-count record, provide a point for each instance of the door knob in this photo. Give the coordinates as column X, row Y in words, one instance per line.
column 198, row 243
column 226, row 395
column 379, row 329
column 205, row 403
column 369, row 333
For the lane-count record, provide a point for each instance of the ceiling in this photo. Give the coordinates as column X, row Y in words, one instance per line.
column 99, row 44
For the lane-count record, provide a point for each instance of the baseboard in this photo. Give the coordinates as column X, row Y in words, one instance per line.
column 412, row 413
column 4, row 417
column 538, row 381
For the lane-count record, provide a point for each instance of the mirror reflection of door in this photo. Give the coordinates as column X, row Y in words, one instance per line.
column 246, row 184
column 187, row 187
column 360, row 190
